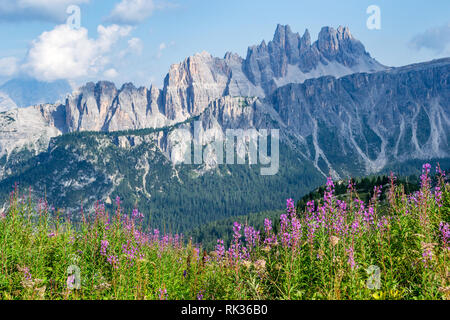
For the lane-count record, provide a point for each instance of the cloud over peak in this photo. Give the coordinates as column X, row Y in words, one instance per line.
column 66, row 53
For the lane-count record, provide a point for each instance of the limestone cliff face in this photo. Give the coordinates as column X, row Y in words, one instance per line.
column 357, row 124
column 193, row 84
column 334, row 104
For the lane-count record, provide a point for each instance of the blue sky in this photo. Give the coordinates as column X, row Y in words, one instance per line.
column 137, row 40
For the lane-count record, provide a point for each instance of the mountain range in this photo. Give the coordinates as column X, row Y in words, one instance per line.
column 339, row 111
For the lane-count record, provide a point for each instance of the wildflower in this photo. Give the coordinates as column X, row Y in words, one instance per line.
column 114, row 261
column 220, row 249
column 290, row 207
column 136, row 215
column 286, row 239
column 444, row 228
column 104, row 246
column 251, row 236
column 267, row 226
column 200, row 295
column 427, row 257
column 351, row 257
column 284, row 223
column 383, row 224
column 236, row 229
column 438, row 196
column 162, row 294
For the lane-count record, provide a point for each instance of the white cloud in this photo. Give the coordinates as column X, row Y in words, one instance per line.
column 43, row 10
column 163, row 46
column 435, row 39
column 132, row 11
column 135, row 46
column 8, row 66
column 66, row 53
column 111, row 73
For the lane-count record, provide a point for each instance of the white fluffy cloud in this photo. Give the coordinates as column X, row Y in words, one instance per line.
column 8, row 66
column 135, row 46
column 111, row 73
column 43, row 10
column 66, row 53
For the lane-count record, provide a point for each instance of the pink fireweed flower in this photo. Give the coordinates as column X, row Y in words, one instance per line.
column 286, row 239
column 267, row 226
column 438, row 196
column 104, row 246
column 155, row 237
column 350, row 186
column 270, row 238
column 424, row 178
column 383, row 223
column 427, row 257
column 136, row 215
column 290, row 207
column 131, row 252
column 355, row 227
column 284, row 222
column 251, row 236
column 310, row 207
column 162, row 294
column 236, row 230
column 296, row 232
column 26, row 273
column 440, row 171
column 369, row 217
column 351, row 258
column 444, row 228
column 220, row 249
column 114, row 261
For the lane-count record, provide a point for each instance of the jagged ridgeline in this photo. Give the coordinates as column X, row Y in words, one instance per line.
column 339, row 112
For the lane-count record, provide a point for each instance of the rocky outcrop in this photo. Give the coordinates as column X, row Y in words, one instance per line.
column 291, row 58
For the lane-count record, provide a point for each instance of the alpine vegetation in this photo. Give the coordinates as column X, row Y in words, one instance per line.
column 336, row 248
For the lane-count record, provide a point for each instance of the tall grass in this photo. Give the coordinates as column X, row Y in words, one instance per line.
column 334, row 250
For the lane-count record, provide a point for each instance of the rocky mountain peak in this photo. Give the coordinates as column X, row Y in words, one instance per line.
column 305, row 40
